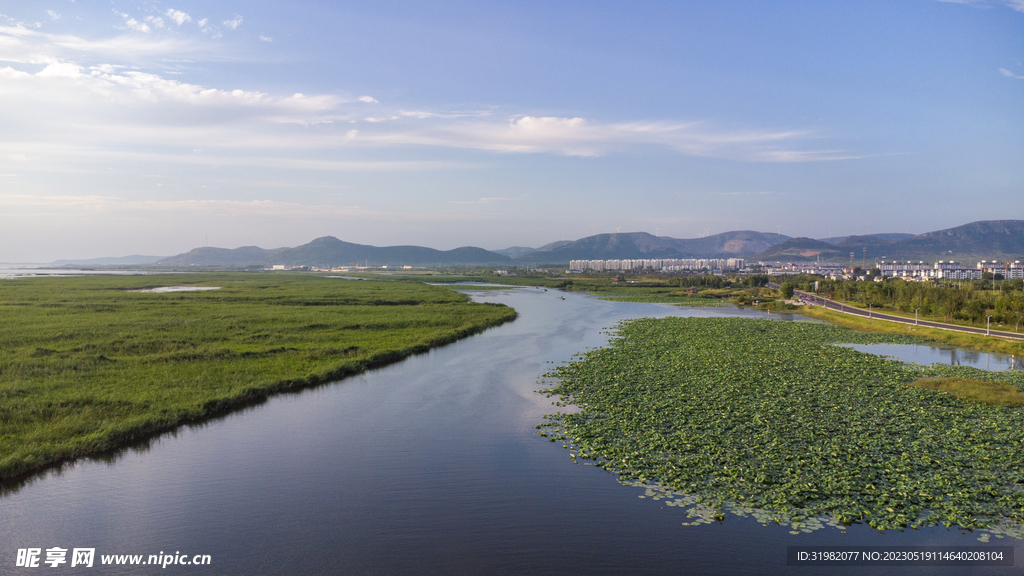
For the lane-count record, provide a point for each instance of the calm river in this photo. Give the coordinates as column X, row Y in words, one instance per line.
column 428, row 466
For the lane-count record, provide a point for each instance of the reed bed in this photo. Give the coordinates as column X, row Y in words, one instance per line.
column 89, row 364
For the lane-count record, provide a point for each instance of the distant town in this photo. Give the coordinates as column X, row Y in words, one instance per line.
column 912, row 271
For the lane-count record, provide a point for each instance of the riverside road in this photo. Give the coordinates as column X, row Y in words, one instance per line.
column 847, row 309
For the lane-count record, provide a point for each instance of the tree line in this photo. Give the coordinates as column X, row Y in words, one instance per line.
column 968, row 301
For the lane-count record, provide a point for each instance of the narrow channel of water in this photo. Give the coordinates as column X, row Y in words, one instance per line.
column 428, row 466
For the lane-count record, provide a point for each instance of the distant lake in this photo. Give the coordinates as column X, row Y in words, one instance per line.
column 427, row 466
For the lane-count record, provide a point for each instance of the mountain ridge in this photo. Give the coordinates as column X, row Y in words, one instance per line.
column 328, row 251
column 981, row 240
column 985, row 239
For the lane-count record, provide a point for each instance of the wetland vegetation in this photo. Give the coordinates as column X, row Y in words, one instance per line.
column 88, row 364
column 771, row 418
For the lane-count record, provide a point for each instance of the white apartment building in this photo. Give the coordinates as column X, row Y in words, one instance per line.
column 662, row 264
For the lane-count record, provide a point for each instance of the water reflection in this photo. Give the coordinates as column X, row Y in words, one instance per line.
column 929, row 355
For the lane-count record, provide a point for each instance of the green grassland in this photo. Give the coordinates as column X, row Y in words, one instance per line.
column 88, row 364
column 770, row 418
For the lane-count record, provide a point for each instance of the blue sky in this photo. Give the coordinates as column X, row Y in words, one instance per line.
column 156, row 127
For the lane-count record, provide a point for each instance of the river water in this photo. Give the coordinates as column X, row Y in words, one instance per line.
column 427, row 466
column 928, row 355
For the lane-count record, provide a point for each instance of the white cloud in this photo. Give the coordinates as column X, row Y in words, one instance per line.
column 202, row 23
column 155, row 21
column 1009, row 74
column 368, row 99
column 61, row 69
column 137, row 26
column 132, row 23
column 233, row 24
column 266, row 38
column 11, row 74
column 53, row 15
column 178, row 16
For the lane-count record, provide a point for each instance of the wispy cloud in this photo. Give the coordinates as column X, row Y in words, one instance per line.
column 82, row 96
column 53, row 15
column 1009, row 74
column 233, row 23
column 266, row 38
column 94, row 205
column 579, row 137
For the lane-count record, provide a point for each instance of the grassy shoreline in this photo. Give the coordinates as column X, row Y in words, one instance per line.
column 88, row 365
column 950, row 337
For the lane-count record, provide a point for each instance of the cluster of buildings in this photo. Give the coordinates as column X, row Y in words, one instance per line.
column 913, row 271
column 949, row 270
column 826, row 269
column 658, row 264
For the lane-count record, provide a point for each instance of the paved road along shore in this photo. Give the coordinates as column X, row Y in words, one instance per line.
column 846, row 309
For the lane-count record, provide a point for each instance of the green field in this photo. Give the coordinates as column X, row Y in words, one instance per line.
column 88, row 364
column 770, row 418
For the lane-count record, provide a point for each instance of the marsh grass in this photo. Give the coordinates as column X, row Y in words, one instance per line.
column 991, row 393
column 89, row 364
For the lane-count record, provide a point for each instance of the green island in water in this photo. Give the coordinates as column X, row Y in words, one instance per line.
column 90, row 364
column 772, row 419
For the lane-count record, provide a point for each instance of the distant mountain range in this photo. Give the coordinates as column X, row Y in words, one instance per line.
column 635, row 245
column 988, row 240
column 329, row 251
